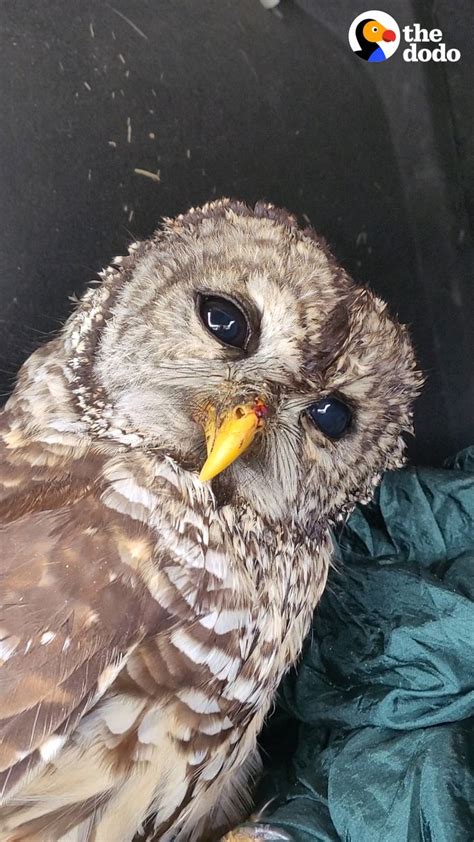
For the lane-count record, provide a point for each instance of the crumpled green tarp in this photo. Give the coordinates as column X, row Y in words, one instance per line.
column 381, row 708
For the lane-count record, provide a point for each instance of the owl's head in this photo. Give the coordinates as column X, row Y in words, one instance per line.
column 234, row 343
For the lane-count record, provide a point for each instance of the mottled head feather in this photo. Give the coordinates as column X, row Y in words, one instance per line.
column 141, row 363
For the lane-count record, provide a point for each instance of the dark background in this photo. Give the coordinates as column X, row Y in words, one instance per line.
column 225, row 98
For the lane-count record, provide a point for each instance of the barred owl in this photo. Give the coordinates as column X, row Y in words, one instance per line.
column 171, row 466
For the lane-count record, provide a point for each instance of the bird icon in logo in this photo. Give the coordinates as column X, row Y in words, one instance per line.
column 369, row 34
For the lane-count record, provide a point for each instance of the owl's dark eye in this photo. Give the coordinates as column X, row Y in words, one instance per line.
column 331, row 416
column 225, row 320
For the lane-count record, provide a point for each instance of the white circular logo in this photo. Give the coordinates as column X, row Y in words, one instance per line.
column 374, row 35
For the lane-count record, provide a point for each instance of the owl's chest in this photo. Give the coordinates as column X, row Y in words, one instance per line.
column 240, row 597
column 234, row 595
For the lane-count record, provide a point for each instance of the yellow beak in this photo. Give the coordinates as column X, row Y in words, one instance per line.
column 227, row 440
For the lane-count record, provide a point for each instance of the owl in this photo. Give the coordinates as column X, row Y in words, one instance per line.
column 171, row 466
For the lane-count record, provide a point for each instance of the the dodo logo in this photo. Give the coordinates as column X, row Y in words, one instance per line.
column 374, row 35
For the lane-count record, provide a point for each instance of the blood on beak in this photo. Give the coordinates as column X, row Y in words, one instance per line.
column 230, row 435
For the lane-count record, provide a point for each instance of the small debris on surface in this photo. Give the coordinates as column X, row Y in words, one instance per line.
column 112, row 143
column 122, row 58
column 87, row 86
column 91, row 30
column 155, row 176
column 130, row 23
column 269, row 4
column 129, row 130
column 151, row 135
column 188, row 154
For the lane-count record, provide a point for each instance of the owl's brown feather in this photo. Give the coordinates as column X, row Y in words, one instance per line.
column 61, row 581
column 146, row 617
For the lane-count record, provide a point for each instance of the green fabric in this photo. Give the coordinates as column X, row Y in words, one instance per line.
column 380, row 709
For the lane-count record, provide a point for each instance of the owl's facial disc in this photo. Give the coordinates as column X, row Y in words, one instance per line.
column 230, row 314
column 230, row 435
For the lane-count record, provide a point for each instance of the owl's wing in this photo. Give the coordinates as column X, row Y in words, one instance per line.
column 72, row 609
